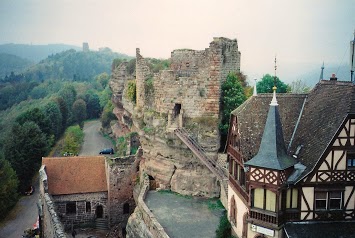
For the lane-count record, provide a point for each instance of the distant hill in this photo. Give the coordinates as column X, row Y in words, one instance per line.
column 12, row 63
column 35, row 53
column 74, row 65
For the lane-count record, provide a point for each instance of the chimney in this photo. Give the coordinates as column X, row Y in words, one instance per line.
column 333, row 78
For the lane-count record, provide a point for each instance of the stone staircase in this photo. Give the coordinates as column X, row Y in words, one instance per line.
column 101, row 224
column 201, row 154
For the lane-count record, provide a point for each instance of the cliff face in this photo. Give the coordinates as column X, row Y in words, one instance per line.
column 187, row 95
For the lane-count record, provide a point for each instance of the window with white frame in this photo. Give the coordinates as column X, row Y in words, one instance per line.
column 328, row 200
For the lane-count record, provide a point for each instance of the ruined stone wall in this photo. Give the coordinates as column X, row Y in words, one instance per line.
column 230, row 55
column 195, row 77
column 143, row 223
column 81, row 216
column 119, row 77
column 121, row 177
column 142, row 74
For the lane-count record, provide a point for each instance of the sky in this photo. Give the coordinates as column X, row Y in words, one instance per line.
column 302, row 34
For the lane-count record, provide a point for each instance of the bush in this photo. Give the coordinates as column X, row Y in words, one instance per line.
column 73, row 138
column 224, row 228
column 131, row 91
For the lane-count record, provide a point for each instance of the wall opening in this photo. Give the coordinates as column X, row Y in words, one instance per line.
column 152, row 183
column 70, row 208
column 99, row 211
column 126, row 208
column 177, row 109
column 88, row 206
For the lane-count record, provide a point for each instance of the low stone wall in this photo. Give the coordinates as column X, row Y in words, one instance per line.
column 51, row 225
column 152, row 226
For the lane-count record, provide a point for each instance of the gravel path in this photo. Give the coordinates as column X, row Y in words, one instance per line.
column 94, row 141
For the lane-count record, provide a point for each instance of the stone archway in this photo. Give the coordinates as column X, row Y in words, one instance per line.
column 99, row 212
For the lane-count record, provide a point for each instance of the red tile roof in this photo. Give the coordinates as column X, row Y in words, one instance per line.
column 70, row 175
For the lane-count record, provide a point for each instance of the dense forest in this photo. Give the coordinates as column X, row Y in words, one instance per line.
column 41, row 105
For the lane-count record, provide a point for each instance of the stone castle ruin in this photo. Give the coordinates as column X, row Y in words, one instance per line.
column 187, row 95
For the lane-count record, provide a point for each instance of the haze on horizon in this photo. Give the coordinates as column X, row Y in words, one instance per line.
column 302, row 34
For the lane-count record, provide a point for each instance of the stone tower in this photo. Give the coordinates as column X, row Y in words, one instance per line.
column 142, row 74
column 86, row 47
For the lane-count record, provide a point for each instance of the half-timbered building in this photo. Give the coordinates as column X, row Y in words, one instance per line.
column 292, row 164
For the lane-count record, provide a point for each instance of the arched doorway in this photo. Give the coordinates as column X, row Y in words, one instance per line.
column 99, row 211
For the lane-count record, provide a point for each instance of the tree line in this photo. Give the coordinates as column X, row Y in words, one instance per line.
column 30, row 126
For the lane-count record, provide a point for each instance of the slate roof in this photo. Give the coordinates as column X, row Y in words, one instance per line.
column 326, row 107
column 71, row 175
column 252, row 116
column 272, row 152
column 343, row 229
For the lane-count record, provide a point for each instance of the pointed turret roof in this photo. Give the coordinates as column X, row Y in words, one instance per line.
column 272, row 152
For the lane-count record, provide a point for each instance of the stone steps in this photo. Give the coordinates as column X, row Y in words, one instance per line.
column 101, row 224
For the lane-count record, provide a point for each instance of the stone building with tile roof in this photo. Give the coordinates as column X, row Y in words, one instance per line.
column 293, row 164
column 87, row 191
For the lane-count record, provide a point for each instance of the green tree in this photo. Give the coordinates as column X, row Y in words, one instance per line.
column 63, row 110
column 299, row 86
column 55, row 118
column 93, row 107
column 68, row 93
column 107, row 115
column 267, row 83
column 103, row 79
column 232, row 97
column 24, row 148
column 79, row 112
column 8, row 187
column 37, row 116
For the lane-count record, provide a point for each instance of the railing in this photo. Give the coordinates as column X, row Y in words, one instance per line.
column 265, row 218
column 201, row 154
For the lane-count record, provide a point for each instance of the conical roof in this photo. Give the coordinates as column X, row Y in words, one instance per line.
column 272, row 152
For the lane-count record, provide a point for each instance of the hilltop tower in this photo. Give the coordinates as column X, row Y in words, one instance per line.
column 86, row 47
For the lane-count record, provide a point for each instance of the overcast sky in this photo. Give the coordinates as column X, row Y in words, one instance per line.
column 302, row 33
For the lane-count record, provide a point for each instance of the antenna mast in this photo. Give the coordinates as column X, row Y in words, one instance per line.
column 352, row 66
column 321, row 77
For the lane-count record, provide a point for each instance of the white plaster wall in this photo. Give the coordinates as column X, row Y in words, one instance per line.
column 308, row 196
column 347, row 193
column 241, row 209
